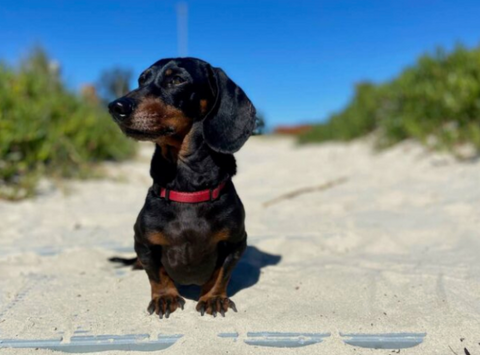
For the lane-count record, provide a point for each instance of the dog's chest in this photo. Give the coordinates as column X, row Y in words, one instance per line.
column 191, row 252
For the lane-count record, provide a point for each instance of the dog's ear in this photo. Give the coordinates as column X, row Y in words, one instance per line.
column 232, row 118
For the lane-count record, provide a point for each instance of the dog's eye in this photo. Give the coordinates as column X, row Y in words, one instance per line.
column 177, row 80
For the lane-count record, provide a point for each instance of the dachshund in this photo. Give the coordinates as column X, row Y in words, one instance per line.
column 191, row 229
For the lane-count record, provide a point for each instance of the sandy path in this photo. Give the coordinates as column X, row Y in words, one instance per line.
column 393, row 249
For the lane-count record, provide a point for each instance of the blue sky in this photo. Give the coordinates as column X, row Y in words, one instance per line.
column 297, row 60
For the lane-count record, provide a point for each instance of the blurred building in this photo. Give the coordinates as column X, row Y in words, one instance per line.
column 292, row 130
column 89, row 92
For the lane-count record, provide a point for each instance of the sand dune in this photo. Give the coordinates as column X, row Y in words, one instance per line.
column 381, row 249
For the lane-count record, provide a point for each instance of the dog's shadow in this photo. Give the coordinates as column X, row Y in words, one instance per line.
column 246, row 273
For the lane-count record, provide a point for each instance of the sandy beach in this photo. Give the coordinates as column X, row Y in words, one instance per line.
column 381, row 250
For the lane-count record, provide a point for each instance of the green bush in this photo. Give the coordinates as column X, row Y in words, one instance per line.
column 436, row 101
column 46, row 130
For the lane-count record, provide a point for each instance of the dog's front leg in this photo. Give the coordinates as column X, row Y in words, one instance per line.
column 165, row 296
column 213, row 296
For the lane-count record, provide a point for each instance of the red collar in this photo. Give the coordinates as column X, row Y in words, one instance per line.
column 190, row 197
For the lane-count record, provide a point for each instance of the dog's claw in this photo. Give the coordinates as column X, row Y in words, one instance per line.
column 167, row 308
column 165, row 305
column 214, row 305
column 151, row 308
column 232, row 306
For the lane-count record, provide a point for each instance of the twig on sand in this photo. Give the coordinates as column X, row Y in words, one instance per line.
column 305, row 190
column 452, row 350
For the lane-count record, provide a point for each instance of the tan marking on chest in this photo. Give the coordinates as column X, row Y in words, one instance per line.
column 157, row 238
column 221, row 236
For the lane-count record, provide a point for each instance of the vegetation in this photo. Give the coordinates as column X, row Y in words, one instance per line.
column 259, row 125
column 114, row 83
column 436, row 101
column 46, row 130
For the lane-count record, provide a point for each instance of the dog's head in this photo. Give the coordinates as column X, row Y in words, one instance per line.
column 175, row 95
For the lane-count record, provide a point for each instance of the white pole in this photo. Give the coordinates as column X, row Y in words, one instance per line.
column 182, row 29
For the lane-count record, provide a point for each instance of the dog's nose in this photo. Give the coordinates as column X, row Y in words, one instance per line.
column 121, row 108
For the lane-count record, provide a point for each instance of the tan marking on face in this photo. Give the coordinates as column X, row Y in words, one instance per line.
column 173, row 146
column 185, row 147
column 168, row 72
column 154, row 112
column 203, row 106
column 169, row 151
column 153, row 115
column 157, row 238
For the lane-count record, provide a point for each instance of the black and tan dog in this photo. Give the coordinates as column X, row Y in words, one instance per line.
column 191, row 228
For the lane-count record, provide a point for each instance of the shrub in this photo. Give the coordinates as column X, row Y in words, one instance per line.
column 436, row 101
column 47, row 130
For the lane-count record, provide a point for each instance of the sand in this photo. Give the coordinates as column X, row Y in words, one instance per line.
column 390, row 248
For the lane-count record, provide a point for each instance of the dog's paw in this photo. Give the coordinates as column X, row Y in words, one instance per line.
column 215, row 304
column 165, row 305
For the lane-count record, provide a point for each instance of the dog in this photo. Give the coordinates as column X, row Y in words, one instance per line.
column 191, row 229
